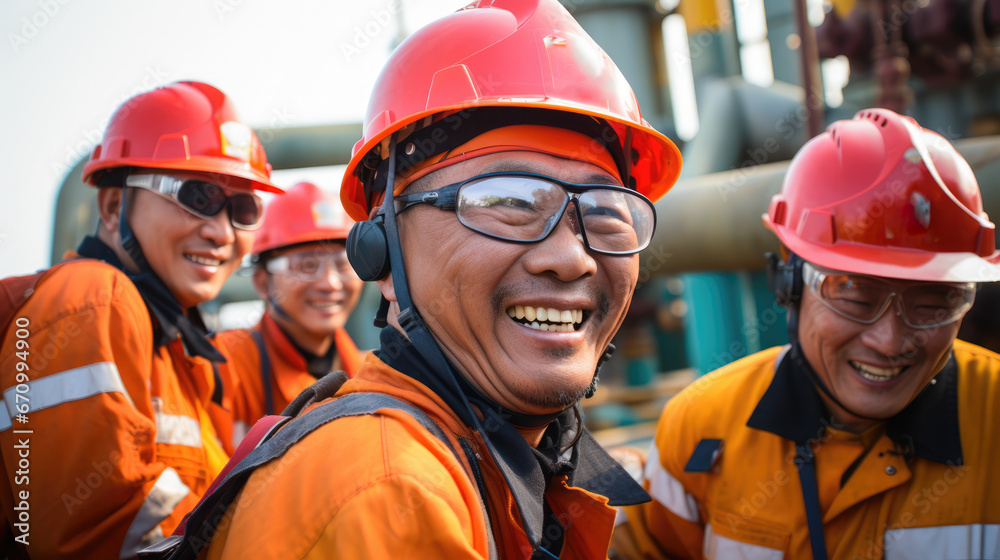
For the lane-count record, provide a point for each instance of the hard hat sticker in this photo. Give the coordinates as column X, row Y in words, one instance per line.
column 236, row 140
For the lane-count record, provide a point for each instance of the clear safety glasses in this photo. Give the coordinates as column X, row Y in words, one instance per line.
column 309, row 267
column 525, row 208
column 865, row 298
column 203, row 198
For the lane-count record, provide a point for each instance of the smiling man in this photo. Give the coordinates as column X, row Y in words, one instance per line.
column 870, row 436
column 504, row 183
column 301, row 271
column 106, row 360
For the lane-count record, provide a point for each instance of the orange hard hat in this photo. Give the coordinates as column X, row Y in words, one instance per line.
column 513, row 54
column 881, row 196
column 186, row 126
column 304, row 214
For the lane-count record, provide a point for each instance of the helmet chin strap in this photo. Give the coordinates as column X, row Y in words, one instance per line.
column 129, row 242
column 409, row 318
column 480, row 420
column 272, row 300
column 800, row 359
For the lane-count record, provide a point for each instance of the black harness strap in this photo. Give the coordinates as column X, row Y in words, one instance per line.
column 265, row 371
column 203, row 521
column 805, row 460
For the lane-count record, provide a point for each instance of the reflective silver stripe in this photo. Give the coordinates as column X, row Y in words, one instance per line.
column 166, row 494
column 717, row 547
column 177, row 429
column 669, row 491
column 951, row 541
column 620, row 516
column 65, row 386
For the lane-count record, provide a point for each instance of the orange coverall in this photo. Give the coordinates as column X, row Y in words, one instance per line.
column 381, row 486
column 243, row 398
column 936, row 497
column 116, row 444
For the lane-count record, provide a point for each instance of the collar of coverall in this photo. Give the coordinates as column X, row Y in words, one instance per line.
column 169, row 320
column 550, row 140
column 592, row 468
column 793, row 409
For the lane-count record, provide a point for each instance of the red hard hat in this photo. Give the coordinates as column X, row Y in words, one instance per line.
column 508, row 53
column 189, row 126
column 303, row 214
column 878, row 195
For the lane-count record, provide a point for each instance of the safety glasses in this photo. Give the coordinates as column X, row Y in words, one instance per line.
column 203, row 198
column 865, row 298
column 309, row 267
column 525, row 208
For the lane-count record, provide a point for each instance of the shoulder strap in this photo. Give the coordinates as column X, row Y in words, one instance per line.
column 200, row 525
column 265, row 370
column 805, row 460
column 321, row 389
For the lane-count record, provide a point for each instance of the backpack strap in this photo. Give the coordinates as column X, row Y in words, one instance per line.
column 323, row 388
column 805, row 460
column 265, row 370
column 261, row 431
column 15, row 291
column 200, row 525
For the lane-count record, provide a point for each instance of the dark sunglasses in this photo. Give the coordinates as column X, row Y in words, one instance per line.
column 203, row 198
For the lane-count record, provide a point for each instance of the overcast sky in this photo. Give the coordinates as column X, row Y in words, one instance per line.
column 65, row 66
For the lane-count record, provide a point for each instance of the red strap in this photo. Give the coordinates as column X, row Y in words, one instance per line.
column 256, row 436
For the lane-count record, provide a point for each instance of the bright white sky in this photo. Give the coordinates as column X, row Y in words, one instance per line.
column 65, row 65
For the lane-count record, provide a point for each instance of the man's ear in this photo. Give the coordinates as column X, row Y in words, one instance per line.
column 109, row 201
column 386, row 287
column 259, row 280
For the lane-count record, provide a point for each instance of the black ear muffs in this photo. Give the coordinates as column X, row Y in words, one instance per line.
column 368, row 249
column 784, row 278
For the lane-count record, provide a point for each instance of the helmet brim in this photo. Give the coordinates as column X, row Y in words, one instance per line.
column 892, row 262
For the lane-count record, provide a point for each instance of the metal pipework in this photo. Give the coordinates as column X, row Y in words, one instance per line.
column 713, row 222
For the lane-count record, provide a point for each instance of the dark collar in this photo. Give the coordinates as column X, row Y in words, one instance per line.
column 526, row 470
column 317, row 366
column 928, row 427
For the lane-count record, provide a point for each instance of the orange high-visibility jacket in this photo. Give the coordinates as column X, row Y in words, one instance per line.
column 382, row 486
column 932, row 493
column 117, row 445
column 243, row 397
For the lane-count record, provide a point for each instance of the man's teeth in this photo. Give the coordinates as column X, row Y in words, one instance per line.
column 546, row 318
column 873, row 373
column 203, row 260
